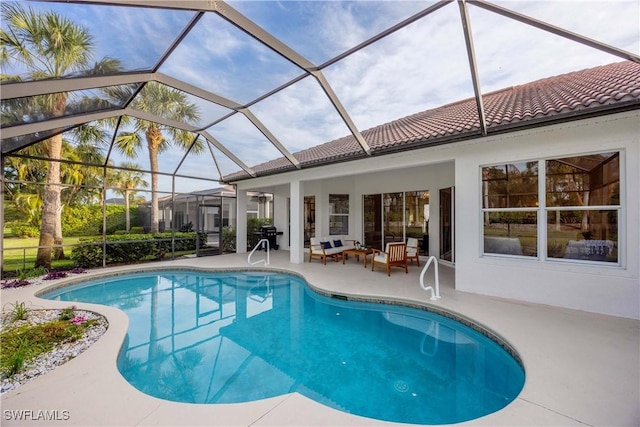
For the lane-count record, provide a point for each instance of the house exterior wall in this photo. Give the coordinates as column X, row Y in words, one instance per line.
column 598, row 288
column 613, row 290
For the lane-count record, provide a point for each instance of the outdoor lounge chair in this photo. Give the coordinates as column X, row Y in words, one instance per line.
column 413, row 251
column 395, row 255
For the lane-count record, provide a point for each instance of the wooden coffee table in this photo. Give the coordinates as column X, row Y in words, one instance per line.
column 357, row 252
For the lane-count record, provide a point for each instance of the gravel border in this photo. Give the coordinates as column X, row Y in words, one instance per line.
column 60, row 354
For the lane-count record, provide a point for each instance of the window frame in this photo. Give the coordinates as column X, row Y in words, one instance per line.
column 341, row 215
column 543, row 212
column 524, row 209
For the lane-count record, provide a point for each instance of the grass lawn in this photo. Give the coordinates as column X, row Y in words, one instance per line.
column 15, row 258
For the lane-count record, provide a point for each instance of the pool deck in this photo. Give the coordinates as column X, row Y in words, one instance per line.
column 581, row 368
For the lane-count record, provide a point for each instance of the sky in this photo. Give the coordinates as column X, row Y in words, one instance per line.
column 420, row 67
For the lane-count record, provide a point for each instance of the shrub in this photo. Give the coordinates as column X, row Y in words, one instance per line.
column 131, row 248
column 67, row 313
column 18, row 283
column 86, row 220
column 16, row 360
column 53, row 275
column 187, row 228
column 228, row 239
column 19, row 311
column 22, row 344
column 31, row 272
column 11, row 213
column 25, row 230
column 253, row 227
column 89, row 255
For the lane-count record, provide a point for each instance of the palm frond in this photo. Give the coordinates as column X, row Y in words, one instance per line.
column 128, row 143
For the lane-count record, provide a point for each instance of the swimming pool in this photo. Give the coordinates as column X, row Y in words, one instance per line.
column 229, row 337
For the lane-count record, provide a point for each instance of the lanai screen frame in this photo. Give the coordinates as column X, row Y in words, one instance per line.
column 10, row 145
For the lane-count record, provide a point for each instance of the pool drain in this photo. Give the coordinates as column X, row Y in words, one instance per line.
column 401, row 386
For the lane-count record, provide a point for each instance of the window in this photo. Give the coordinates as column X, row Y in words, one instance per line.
column 579, row 210
column 510, row 204
column 338, row 214
column 583, row 203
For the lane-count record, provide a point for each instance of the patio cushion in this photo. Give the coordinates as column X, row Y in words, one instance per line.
column 382, row 257
column 412, row 250
column 320, row 246
column 395, row 255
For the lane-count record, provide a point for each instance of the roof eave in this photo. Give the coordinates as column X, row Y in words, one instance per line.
column 507, row 127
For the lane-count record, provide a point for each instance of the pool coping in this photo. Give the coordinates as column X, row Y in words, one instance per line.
column 569, row 381
column 448, row 313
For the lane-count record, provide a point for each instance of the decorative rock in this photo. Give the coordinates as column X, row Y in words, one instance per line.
column 60, row 354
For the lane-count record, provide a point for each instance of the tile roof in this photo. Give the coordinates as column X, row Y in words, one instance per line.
column 592, row 91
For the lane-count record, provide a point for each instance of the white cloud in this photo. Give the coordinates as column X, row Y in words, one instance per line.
column 425, row 64
column 244, row 140
column 419, row 67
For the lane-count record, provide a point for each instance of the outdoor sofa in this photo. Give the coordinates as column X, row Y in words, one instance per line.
column 329, row 246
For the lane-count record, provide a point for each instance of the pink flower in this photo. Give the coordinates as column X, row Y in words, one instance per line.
column 78, row 320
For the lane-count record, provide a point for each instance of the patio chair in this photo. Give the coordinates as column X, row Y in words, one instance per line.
column 395, row 255
column 413, row 250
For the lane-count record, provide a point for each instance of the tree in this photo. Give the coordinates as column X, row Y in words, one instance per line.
column 127, row 180
column 169, row 103
column 81, row 182
column 47, row 45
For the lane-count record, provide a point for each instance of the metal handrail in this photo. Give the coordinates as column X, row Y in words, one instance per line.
column 259, row 244
column 434, row 295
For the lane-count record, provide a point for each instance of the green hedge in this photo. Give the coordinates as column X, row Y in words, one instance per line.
column 86, row 220
column 228, row 239
column 253, row 227
column 131, row 248
column 24, row 230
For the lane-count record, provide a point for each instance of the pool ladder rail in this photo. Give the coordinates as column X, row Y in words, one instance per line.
column 264, row 261
column 435, row 295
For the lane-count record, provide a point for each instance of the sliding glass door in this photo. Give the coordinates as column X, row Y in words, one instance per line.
column 372, row 220
column 446, row 224
column 417, row 218
column 309, row 219
column 393, row 217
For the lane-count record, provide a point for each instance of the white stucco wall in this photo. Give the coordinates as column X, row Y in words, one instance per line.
column 602, row 289
column 613, row 290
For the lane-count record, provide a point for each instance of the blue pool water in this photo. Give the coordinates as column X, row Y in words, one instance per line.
column 223, row 337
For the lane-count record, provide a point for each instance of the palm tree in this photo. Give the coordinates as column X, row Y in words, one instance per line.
column 47, row 45
column 127, row 180
column 81, row 182
column 169, row 103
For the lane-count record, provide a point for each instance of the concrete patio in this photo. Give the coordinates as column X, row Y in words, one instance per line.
column 581, row 368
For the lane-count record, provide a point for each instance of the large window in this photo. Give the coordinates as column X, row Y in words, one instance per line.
column 575, row 217
column 583, row 205
column 510, row 204
column 338, row 214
